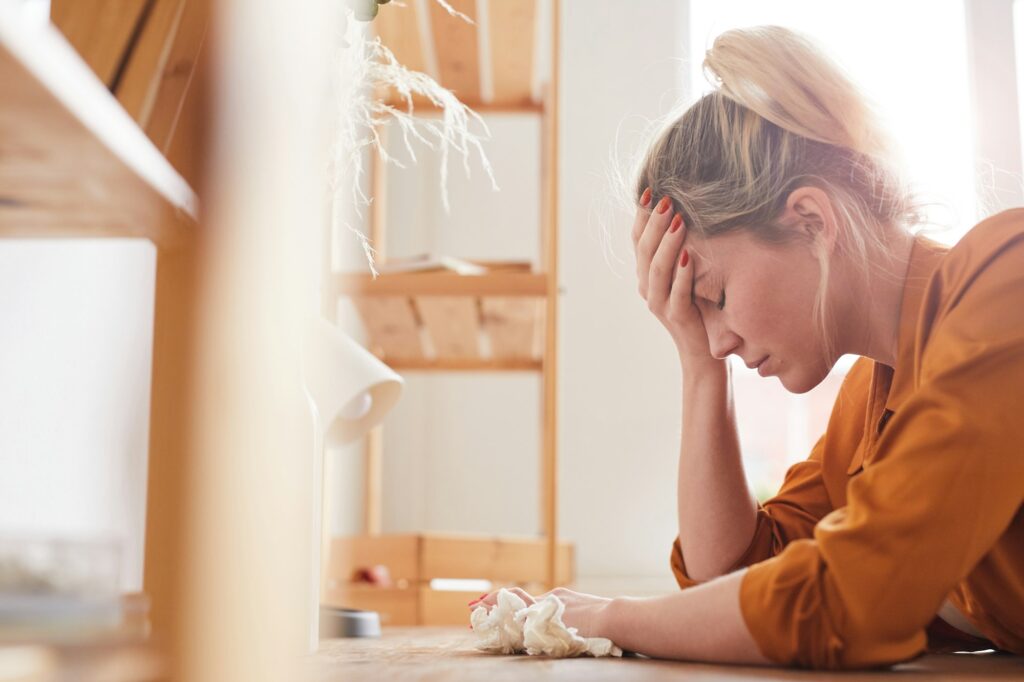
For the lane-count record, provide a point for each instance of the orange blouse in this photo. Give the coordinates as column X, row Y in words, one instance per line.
column 914, row 493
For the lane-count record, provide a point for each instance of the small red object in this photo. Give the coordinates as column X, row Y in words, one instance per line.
column 375, row 575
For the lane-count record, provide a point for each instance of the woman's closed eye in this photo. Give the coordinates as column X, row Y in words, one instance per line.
column 720, row 303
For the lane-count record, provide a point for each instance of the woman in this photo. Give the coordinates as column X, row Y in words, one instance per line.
column 771, row 225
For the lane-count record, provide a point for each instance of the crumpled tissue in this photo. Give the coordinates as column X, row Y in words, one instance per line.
column 512, row 627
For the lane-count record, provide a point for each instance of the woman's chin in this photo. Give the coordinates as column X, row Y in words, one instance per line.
column 800, row 382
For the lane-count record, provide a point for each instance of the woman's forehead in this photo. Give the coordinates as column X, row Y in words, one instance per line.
column 716, row 252
column 703, row 252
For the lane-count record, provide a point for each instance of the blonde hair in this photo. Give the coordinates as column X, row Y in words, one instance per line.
column 783, row 116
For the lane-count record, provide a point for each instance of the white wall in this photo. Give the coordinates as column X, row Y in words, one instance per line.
column 620, row 398
column 75, row 349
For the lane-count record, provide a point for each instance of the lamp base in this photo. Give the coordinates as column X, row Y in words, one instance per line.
column 336, row 622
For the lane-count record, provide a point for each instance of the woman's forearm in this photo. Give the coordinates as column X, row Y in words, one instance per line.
column 717, row 513
column 702, row 623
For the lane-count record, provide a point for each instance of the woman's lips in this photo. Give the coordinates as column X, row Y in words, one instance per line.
column 761, row 366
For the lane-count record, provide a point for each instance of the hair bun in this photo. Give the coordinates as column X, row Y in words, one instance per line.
column 784, row 77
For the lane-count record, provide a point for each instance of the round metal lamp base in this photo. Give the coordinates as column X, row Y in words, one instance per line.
column 335, row 622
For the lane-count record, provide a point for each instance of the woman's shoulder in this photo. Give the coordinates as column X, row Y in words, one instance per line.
column 974, row 302
column 995, row 241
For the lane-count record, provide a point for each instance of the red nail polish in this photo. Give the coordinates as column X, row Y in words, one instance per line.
column 685, row 259
column 664, row 204
column 676, row 222
column 645, row 198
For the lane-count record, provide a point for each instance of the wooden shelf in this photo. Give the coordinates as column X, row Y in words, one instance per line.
column 422, row 107
column 449, row 322
column 466, row 365
column 443, row 284
column 73, row 163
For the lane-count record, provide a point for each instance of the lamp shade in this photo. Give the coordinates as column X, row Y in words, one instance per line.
column 351, row 390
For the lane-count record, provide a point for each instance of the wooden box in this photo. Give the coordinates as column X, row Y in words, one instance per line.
column 413, row 560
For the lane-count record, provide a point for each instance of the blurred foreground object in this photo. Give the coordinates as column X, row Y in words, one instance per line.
column 58, row 590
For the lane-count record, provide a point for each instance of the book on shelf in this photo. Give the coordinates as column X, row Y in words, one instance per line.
column 430, row 263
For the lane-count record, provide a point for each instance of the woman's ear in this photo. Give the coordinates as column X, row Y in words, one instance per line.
column 809, row 210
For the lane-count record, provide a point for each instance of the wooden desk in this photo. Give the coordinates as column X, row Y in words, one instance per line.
column 447, row 654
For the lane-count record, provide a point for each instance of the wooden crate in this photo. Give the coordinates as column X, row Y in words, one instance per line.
column 413, row 560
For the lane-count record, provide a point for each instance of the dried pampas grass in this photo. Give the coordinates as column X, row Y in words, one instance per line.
column 365, row 68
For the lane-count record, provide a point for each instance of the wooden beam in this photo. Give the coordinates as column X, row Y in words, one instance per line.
column 464, row 364
column 170, row 452
column 398, row 29
column 176, row 77
column 511, row 325
column 512, row 28
column 137, row 90
column 391, row 325
column 456, row 45
column 442, row 284
column 100, row 30
column 452, row 323
column 423, row 107
column 373, row 482
column 72, row 162
column 549, row 221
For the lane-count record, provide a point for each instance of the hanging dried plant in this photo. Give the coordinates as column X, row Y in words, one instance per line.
column 367, row 68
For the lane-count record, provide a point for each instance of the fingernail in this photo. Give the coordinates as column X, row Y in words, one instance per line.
column 676, row 222
column 684, row 259
column 664, row 204
column 645, row 198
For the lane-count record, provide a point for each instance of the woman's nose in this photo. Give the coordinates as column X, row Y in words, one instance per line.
column 721, row 341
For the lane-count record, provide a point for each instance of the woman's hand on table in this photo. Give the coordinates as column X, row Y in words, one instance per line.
column 585, row 612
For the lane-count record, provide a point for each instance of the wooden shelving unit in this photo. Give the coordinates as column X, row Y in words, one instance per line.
column 504, row 320
column 83, row 156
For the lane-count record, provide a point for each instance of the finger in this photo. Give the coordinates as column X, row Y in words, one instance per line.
column 562, row 593
column 643, row 212
column 481, row 600
column 491, row 598
column 654, row 230
column 663, row 265
column 522, row 594
column 681, row 295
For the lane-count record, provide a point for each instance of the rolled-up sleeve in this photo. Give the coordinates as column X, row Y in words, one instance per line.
column 803, row 499
column 791, row 514
column 945, row 482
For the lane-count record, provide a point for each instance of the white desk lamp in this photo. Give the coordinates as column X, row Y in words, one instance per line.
column 349, row 392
